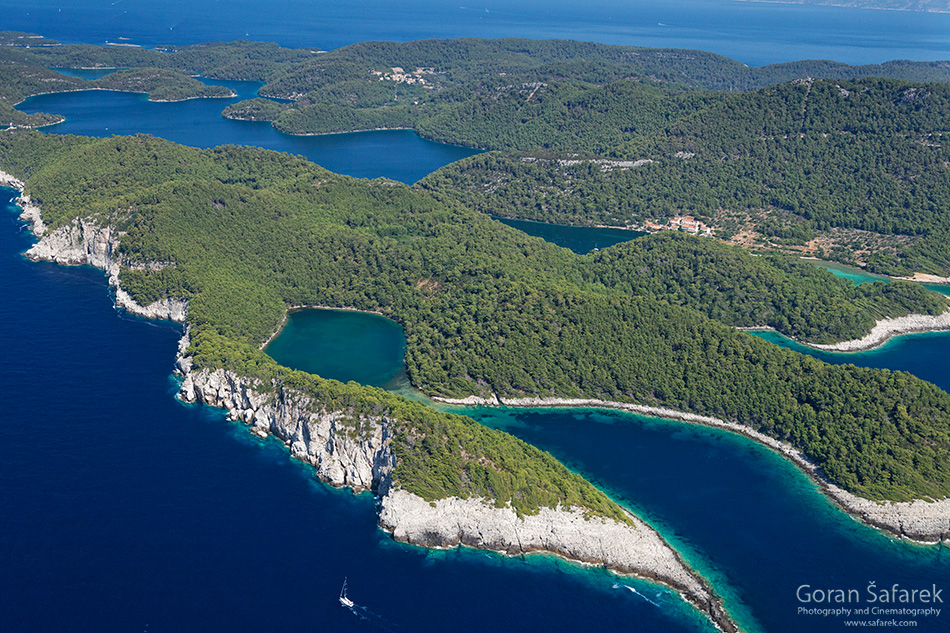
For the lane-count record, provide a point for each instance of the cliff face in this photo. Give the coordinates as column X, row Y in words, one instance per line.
column 327, row 440
column 360, row 456
column 363, row 460
column 84, row 243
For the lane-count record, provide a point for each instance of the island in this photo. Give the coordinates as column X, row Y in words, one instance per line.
column 226, row 240
column 442, row 480
column 489, row 312
column 810, row 158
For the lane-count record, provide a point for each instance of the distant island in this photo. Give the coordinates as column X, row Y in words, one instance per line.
column 934, row 6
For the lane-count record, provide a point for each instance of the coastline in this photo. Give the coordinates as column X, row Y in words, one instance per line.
column 926, row 278
column 921, row 521
column 84, row 244
column 81, row 243
column 134, row 92
column 374, row 129
column 283, row 320
column 322, row 439
column 885, row 329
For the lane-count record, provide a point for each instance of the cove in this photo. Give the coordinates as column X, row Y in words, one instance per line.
column 580, row 239
column 344, row 345
column 397, row 154
column 123, row 510
column 858, row 276
column 923, row 354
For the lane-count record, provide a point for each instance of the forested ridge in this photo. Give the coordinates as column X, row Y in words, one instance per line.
column 855, row 171
column 245, row 233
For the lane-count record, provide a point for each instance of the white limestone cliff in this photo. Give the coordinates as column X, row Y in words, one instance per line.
column 359, row 456
column 83, row 243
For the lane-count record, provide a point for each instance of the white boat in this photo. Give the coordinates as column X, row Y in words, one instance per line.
column 346, row 602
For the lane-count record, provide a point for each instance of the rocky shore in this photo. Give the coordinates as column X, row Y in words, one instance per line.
column 926, row 521
column 82, row 243
column 323, row 439
column 886, row 328
column 365, row 462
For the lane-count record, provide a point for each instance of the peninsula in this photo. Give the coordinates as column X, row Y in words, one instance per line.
column 506, row 496
column 540, row 313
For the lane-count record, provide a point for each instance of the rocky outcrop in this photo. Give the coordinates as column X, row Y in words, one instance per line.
column 357, row 454
column 84, row 243
column 567, row 532
column 469, row 401
column 342, row 452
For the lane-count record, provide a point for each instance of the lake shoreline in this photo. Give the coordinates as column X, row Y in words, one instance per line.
column 920, row 521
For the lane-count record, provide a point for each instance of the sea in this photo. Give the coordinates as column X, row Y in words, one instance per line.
column 123, row 510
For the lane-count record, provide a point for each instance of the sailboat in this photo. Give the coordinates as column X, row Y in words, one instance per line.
column 346, row 602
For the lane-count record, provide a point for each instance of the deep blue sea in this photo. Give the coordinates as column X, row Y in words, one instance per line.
column 751, row 32
column 122, row 510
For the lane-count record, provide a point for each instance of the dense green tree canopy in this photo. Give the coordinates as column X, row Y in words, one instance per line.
column 246, row 233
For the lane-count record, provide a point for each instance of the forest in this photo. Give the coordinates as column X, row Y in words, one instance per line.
column 817, row 158
column 244, row 233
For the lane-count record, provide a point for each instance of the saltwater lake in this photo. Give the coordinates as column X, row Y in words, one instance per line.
column 122, row 510
column 580, row 239
column 397, row 154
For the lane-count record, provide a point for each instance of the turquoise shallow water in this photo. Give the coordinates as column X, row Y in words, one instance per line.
column 745, row 517
column 858, row 276
column 344, row 345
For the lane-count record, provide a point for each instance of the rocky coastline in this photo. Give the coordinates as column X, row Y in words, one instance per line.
column 886, row 328
column 83, row 243
column 365, row 462
column 923, row 521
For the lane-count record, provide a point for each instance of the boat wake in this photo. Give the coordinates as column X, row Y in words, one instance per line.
column 373, row 620
column 655, row 604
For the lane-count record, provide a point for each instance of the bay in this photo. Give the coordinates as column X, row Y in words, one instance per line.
column 923, row 354
column 396, row 154
column 745, row 517
column 755, row 33
column 858, row 276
